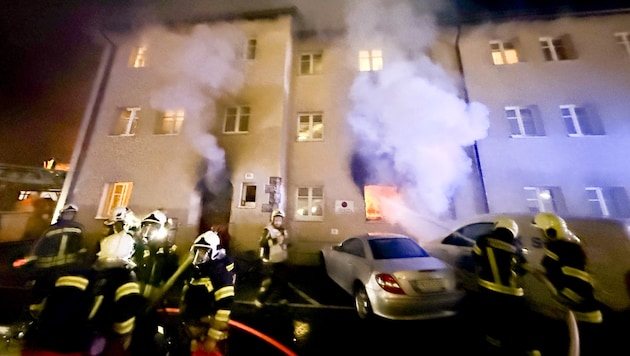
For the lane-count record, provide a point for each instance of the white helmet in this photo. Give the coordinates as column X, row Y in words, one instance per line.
column 206, row 247
column 277, row 212
column 152, row 227
column 69, row 207
column 118, row 214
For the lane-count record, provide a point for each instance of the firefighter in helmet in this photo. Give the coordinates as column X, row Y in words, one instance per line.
column 565, row 267
column 208, row 296
column 116, row 292
column 274, row 242
column 500, row 264
column 155, row 255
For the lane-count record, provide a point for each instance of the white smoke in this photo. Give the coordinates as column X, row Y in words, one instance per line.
column 408, row 117
column 194, row 67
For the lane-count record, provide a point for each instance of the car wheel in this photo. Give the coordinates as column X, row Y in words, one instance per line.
column 362, row 303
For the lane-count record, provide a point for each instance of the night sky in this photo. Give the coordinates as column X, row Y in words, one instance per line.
column 49, row 59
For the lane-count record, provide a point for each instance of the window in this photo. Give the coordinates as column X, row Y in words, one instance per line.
column 114, row 195
column 578, row 121
column 503, row 52
column 540, row 199
column 370, row 60
column 521, row 121
column 623, row 39
column 127, row 122
column 250, row 49
column 608, row 201
column 554, row 49
column 310, row 127
column 236, row 119
column 310, row 63
column 310, row 203
column 171, row 122
column 248, row 195
column 138, row 57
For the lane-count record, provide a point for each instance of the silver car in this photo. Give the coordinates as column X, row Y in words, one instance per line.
column 392, row 276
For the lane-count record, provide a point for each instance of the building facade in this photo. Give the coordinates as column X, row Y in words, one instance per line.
column 219, row 123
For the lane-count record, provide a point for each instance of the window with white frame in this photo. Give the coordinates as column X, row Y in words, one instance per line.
column 623, row 40
column 310, row 63
column 540, row 199
column 127, row 122
column 597, row 201
column 370, row 60
column 503, row 52
column 171, row 122
column 114, row 195
column 236, row 119
column 310, row 127
column 138, row 57
column 554, row 49
column 248, row 195
column 521, row 121
column 310, row 203
column 577, row 121
column 250, row 49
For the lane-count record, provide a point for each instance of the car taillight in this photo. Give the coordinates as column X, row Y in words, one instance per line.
column 19, row 262
column 388, row 283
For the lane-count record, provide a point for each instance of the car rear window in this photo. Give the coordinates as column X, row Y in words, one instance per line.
column 388, row 248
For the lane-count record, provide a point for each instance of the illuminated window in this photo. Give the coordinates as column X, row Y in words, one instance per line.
column 250, row 49
column 127, row 122
column 114, row 195
column 23, row 195
column 503, row 52
column 376, row 197
column 310, row 127
column 521, row 121
column 554, row 49
column 138, row 57
column 370, row 60
column 248, row 195
column 171, row 123
column 236, row 119
column 540, row 199
column 310, row 203
column 578, row 122
column 310, row 63
column 623, row 39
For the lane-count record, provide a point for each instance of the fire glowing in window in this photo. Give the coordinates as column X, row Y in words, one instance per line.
column 375, row 196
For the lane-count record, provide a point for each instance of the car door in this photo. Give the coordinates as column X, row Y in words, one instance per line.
column 353, row 255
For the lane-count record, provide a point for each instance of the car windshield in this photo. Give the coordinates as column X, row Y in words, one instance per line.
column 388, row 248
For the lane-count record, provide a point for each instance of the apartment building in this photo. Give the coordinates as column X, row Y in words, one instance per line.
column 219, row 123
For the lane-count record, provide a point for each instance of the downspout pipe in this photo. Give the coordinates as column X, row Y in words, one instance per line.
column 87, row 124
column 467, row 100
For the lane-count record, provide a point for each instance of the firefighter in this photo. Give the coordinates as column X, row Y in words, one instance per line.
column 155, row 255
column 208, row 296
column 565, row 265
column 500, row 263
column 62, row 244
column 274, row 255
column 117, row 298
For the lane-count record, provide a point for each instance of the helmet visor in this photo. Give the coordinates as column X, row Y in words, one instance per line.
column 201, row 255
column 150, row 232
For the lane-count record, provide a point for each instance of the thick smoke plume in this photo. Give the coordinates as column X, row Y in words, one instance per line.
column 410, row 125
column 195, row 66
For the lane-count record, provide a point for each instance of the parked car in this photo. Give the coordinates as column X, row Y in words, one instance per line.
column 392, row 276
column 605, row 241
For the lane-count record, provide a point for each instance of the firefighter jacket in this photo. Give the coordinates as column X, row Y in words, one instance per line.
column 155, row 265
column 61, row 244
column 117, row 301
column 565, row 266
column 208, row 295
column 61, row 318
column 499, row 263
column 273, row 244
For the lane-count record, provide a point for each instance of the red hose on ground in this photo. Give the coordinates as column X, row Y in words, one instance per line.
column 251, row 331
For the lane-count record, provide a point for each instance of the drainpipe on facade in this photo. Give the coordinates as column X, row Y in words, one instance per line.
column 87, row 124
column 474, row 147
